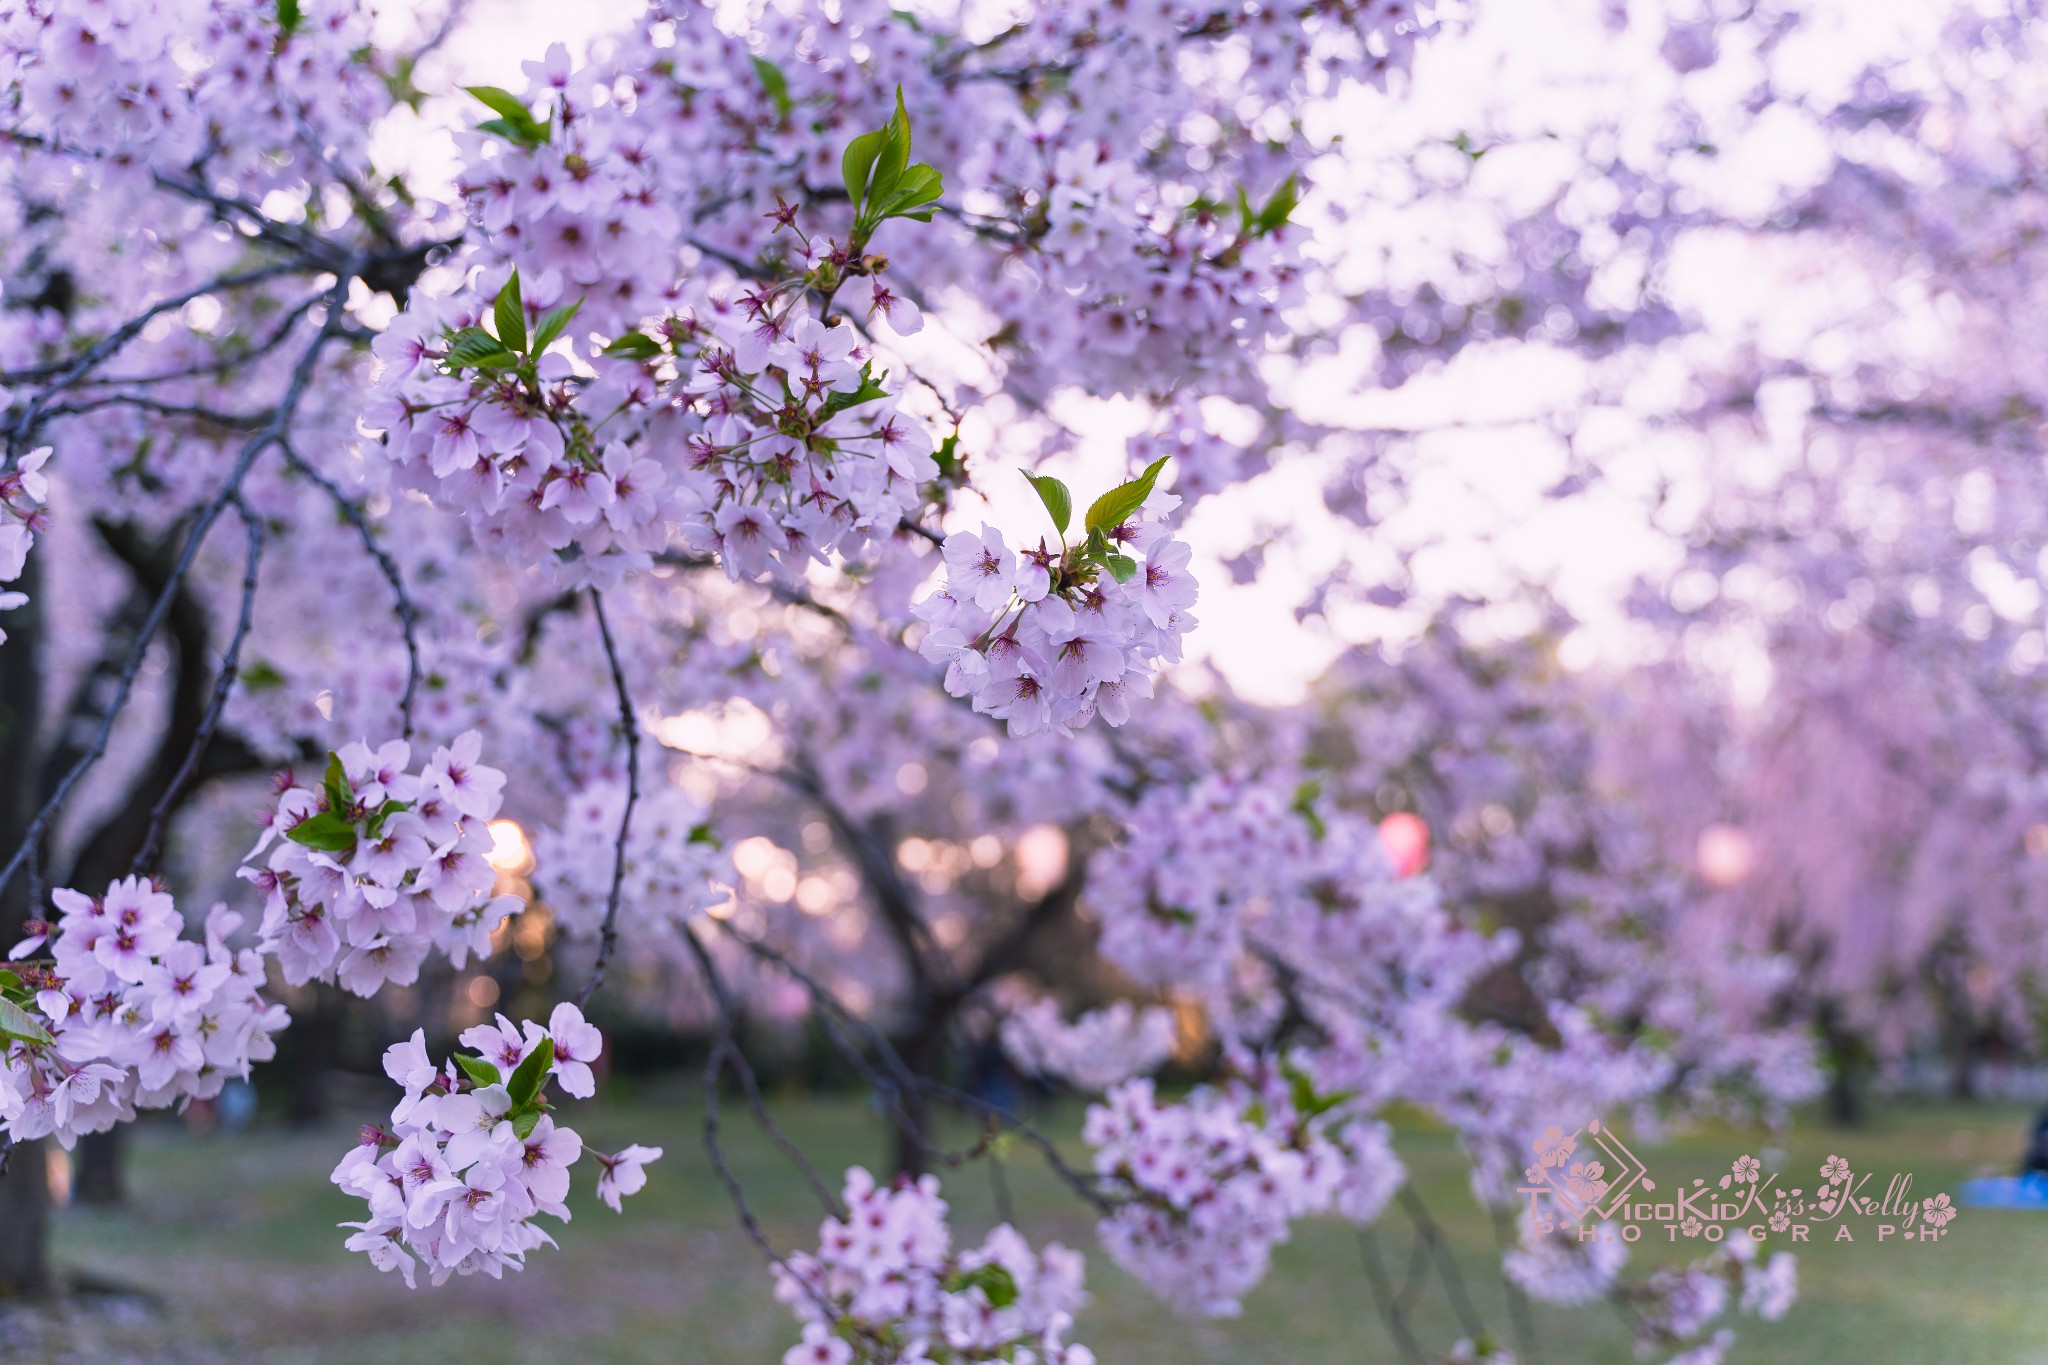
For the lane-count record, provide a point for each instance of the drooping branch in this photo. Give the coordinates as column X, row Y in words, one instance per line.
column 224, row 683
column 629, row 726
column 408, row 611
column 272, row 433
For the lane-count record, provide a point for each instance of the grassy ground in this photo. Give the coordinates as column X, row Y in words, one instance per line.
column 236, row 1236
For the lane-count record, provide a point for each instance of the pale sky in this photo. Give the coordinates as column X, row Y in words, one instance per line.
column 1478, row 494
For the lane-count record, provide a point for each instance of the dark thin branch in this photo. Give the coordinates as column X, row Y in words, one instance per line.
column 608, row 936
column 223, row 684
column 408, row 612
column 1431, row 1236
column 1384, row 1298
column 728, row 1020
column 272, row 433
column 24, row 427
column 1518, row 1302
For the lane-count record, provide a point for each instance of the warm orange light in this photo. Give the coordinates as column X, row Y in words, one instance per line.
column 509, row 850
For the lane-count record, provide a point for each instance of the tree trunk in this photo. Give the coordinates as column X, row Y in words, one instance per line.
column 25, row 1188
column 25, row 1222
column 308, row 1051
column 922, row 1052
column 1845, row 1063
column 100, row 1161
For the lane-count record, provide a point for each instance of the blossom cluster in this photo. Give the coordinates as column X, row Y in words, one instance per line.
column 125, row 1013
column 886, row 1287
column 1215, row 1180
column 675, row 865
column 1094, row 1052
column 377, row 865
column 1049, row 638
column 23, row 491
column 1673, row 1306
column 748, row 419
column 472, row 1154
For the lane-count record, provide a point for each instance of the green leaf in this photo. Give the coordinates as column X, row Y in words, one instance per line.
column 703, row 834
column 384, row 812
column 1119, row 504
column 515, row 122
column 524, row 1122
column 1301, row 1093
column 474, row 346
column 289, row 18
column 326, row 831
column 509, row 312
column 1305, row 806
column 552, row 324
column 477, row 1069
column 501, row 102
column 526, row 1081
column 18, row 1024
column 776, row 84
column 892, row 156
column 261, row 677
column 1121, row 567
column 839, row 400
column 634, row 346
column 1274, row 214
column 916, row 186
column 1056, row 498
column 993, row 1280
column 335, row 782
column 857, row 163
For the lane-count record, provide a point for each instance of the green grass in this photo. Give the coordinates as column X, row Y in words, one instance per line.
column 236, row 1234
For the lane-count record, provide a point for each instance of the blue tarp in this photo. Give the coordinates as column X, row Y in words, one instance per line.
column 2028, row 1191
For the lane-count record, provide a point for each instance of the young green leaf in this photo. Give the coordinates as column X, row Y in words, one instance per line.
column 477, row 1069
column 1121, row 503
column 892, row 156
column 509, row 313
column 524, row 1122
column 325, row 831
column 993, row 1280
column 1305, row 806
column 18, row 1024
column 474, row 346
column 1056, row 498
column 375, row 823
column 515, row 122
column 917, row 186
column 776, row 84
column 1277, row 209
column 526, row 1081
column 1121, row 567
column 634, row 346
column 289, row 17
column 552, row 324
column 857, row 163
column 335, row 781
column 503, row 103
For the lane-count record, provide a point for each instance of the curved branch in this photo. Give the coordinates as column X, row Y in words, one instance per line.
column 608, row 936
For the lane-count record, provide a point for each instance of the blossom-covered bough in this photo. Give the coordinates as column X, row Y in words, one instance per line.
column 632, row 475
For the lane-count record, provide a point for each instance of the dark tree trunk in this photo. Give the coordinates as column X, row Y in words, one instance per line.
column 1846, row 1059
column 25, row 1218
column 99, row 1177
column 308, row 1051
column 25, row 1188
column 923, row 1053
